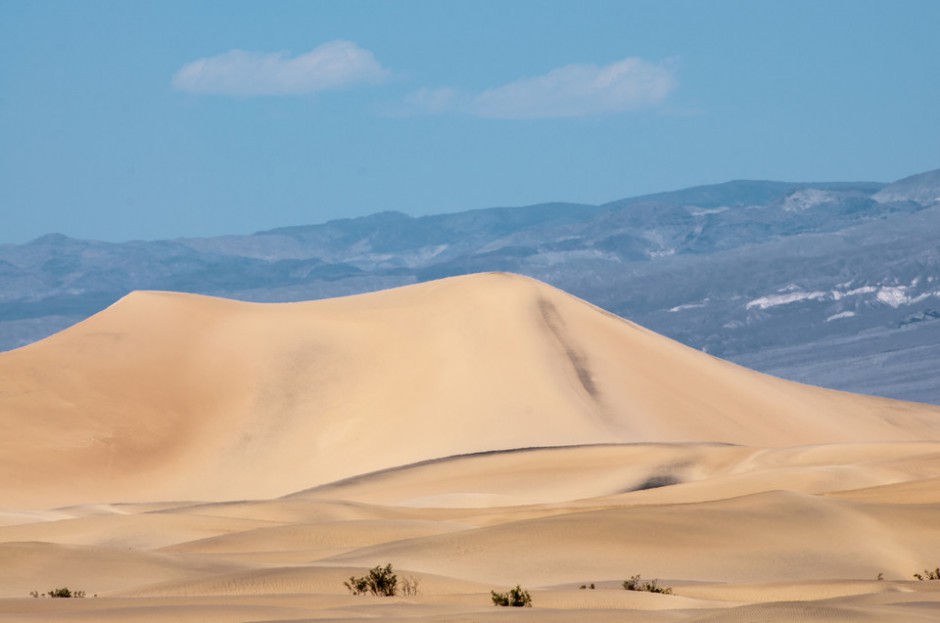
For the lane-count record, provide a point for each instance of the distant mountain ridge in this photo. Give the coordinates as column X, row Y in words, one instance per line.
column 833, row 283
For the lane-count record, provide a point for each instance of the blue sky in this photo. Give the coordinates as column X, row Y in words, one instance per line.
column 144, row 120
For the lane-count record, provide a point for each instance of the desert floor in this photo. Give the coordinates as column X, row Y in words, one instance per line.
column 738, row 533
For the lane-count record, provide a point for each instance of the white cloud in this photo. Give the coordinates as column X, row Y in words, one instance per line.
column 331, row 66
column 580, row 90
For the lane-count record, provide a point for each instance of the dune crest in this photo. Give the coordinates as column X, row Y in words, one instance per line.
column 177, row 396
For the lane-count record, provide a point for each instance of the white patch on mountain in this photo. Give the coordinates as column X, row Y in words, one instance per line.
column 840, row 315
column 766, row 302
column 707, row 211
column 893, row 295
column 807, row 198
column 679, row 308
column 838, row 295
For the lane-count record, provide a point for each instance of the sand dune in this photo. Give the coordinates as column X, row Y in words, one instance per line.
column 194, row 459
column 170, row 396
column 781, row 552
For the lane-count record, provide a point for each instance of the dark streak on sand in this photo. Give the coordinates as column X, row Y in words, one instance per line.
column 655, row 482
column 556, row 324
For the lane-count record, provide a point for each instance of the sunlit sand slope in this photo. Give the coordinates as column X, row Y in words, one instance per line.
column 171, row 396
column 739, row 534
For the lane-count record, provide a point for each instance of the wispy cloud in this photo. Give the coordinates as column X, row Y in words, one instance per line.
column 569, row 91
column 331, row 66
column 580, row 90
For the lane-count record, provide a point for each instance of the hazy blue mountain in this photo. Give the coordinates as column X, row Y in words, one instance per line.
column 835, row 284
column 923, row 188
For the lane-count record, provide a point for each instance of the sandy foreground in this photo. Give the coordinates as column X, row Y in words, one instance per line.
column 193, row 459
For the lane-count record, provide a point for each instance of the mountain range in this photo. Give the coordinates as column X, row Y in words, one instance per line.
column 834, row 284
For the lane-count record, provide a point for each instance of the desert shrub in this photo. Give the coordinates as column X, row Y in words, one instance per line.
column 357, row 586
column 636, row 583
column 409, row 586
column 59, row 593
column 516, row 597
column 380, row 581
column 928, row 574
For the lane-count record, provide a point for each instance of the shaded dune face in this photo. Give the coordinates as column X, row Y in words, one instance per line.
column 174, row 396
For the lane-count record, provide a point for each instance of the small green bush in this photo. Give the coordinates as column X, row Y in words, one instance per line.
column 381, row 581
column 928, row 574
column 516, row 597
column 636, row 583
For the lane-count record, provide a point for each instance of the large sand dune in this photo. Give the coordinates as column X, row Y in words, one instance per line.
column 476, row 432
column 170, row 396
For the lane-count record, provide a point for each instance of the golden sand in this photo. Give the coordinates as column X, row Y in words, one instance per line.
column 188, row 458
